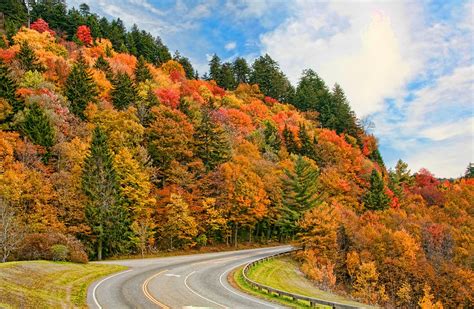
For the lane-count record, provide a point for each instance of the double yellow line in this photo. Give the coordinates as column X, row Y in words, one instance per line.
column 147, row 292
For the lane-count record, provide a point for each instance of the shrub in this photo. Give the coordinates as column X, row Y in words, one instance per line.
column 201, row 241
column 59, row 252
column 39, row 246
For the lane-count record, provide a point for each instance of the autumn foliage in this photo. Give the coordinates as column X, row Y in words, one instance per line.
column 187, row 163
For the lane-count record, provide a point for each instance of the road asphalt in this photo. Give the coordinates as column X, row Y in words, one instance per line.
column 190, row 281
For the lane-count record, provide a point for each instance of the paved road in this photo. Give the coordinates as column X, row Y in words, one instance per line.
column 192, row 281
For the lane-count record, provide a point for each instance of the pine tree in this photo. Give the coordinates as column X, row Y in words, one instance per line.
column 124, row 93
column 227, row 80
column 187, row 66
column 400, row 179
column 307, row 147
column 272, row 137
column 212, row 145
column 376, row 198
column 37, row 127
column 376, row 157
column 80, row 88
column 290, row 142
column 241, row 70
column 215, row 68
column 300, row 193
column 344, row 119
column 8, row 88
column 102, row 64
column 142, row 73
column 107, row 217
column 469, row 171
column 28, row 59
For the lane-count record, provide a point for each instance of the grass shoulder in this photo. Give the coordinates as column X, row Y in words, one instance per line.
column 283, row 273
column 44, row 284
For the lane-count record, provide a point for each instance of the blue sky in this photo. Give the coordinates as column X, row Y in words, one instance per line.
column 405, row 65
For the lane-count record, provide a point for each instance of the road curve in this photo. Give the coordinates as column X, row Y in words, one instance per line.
column 190, row 281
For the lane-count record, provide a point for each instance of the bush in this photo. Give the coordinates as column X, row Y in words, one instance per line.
column 59, row 252
column 201, row 241
column 39, row 246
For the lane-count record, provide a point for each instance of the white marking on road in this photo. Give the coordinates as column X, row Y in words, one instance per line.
column 239, row 294
column 102, row 281
column 203, row 297
column 172, row 275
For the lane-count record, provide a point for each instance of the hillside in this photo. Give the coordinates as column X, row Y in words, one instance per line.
column 105, row 153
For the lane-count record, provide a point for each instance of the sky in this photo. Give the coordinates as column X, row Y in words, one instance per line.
column 406, row 66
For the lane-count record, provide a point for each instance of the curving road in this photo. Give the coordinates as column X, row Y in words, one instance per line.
column 191, row 281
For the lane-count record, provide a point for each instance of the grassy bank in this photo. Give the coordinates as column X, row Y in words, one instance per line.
column 42, row 284
column 284, row 274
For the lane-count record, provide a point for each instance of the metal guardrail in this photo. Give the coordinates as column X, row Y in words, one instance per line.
column 269, row 290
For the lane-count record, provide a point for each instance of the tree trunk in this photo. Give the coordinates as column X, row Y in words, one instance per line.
column 250, row 234
column 236, row 234
column 99, row 249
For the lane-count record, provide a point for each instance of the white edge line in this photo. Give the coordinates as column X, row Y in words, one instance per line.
column 239, row 294
column 203, row 297
column 102, row 281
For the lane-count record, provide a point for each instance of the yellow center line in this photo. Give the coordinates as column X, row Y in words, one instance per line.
column 147, row 292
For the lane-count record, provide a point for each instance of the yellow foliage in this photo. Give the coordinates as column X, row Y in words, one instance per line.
column 231, row 101
column 171, row 65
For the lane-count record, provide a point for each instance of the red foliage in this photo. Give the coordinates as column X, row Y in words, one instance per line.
column 177, row 76
column 427, row 186
column 7, row 55
column 41, row 26
column 238, row 121
column 84, row 35
column 270, row 101
column 168, row 96
column 394, row 203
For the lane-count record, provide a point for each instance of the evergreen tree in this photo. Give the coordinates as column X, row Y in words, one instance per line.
column 272, row 137
column 376, row 157
column 102, row 64
column 290, row 142
column 212, row 145
column 400, row 178
column 469, row 171
column 37, row 127
column 215, row 68
column 311, row 93
column 8, row 88
column 53, row 11
column 28, row 59
column 307, row 147
column 376, row 198
column 107, row 217
column 16, row 15
column 227, row 80
column 124, row 93
column 142, row 73
column 80, row 88
column 271, row 80
column 300, row 193
column 187, row 66
column 241, row 70
column 343, row 119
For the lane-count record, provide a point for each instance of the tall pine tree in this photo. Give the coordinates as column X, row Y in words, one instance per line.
column 212, row 145
column 376, row 198
column 37, row 127
column 124, row 92
column 307, row 147
column 272, row 137
column 28, row 59
column 80, row 88
column 106, row 215
column 289, row 139
column 8, row 89
column 142, row 73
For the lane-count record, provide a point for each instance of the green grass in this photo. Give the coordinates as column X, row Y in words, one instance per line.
column 284, row 274
column 42, row 284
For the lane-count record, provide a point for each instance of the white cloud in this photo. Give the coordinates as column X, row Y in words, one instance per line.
column 230, row 46
column 362, row 46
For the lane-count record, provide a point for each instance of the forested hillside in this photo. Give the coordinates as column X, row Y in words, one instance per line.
column 109, row 145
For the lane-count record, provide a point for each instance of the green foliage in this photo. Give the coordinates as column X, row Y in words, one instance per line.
column 227, row 79
column 377, row 157
column 32, row 79
column 307, row 147
column 376, row 198
column 27, row 59
column 37, row 126
column 107, row 217
column 271, row 80
column 311, row 93
column 8, row 88
column 59, row 252
column 241, row 70
column 16, row 14
column 186, row 64
column 289, row 138
column 272, row 137
column 211, row 142
column 300, row 192
column 142, row 73
column 469, row 171
column 215, row 68
column 123, row 93
column 102, row 64
column 80, row 88
column 400, row 178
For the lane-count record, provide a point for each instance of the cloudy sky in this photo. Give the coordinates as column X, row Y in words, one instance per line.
column 406, row 65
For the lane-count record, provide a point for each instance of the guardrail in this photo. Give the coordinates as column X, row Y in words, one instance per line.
column 269, row 290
